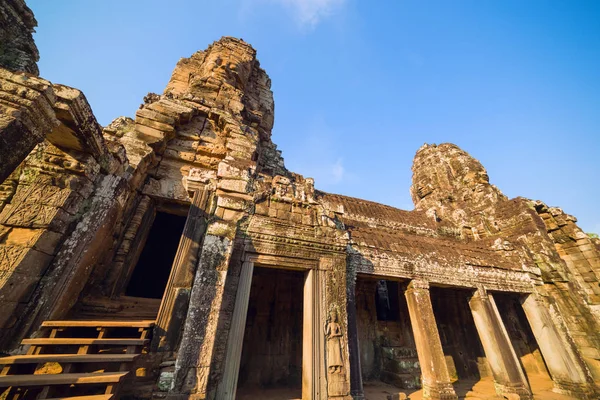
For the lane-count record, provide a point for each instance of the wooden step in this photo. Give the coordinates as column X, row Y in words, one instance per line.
column 122, row 308
column 61, row 379
column 91, row 397
column 84, row 341
column 98, row 324
column 67, row 358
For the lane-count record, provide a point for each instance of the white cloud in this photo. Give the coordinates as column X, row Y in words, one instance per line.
column 308, row 13
column 337, row 171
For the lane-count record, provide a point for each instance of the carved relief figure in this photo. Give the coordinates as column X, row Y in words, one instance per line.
column 333, row 333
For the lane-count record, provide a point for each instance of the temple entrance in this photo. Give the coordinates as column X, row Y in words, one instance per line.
column 151, row 273
column 271, row 362
column 388, row 353
column 462, row 348
column 523, row 341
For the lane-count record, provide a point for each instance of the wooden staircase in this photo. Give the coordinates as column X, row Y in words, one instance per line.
column 77, row 360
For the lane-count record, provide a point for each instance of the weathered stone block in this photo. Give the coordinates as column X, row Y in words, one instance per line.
column 295, row 218
column 232, row 203
column 23, row 260
column 159, row 126
column 10, row 311
column 35, row 216
column 41, row 239
column 16, row 287
column 233, row 185
column 272, row 211
column 155, row 116
column 49, row 195
column 308, row 219
column 262, row 208
column 232, row 215
column 283, row 214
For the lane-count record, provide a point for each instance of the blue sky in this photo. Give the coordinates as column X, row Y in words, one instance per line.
column 359, row 86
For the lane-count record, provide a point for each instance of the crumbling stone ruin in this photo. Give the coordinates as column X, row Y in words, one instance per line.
column 174, row 256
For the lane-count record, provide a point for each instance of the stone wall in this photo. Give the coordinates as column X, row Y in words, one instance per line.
column 77, row 201
column 18, row 51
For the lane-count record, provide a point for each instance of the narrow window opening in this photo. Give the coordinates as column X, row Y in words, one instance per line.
column 151, row 273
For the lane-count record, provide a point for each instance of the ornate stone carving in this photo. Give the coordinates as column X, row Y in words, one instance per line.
column 71, row 206
column 333, row 333
column 336, row 372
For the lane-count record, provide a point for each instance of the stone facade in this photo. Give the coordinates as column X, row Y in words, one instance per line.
column 469, row 284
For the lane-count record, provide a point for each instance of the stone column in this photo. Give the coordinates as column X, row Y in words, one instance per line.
column 564, row 364
column 356, row 384
column 435, row 377
column 195, row 367
column 228, row 386
column 174, row 304
column 311, row 333
column 500, row 355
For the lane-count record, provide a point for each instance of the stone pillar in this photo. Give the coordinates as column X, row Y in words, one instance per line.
column 435, row 377
column 500, row 355
column 564, row 364
column 195, row 367
column 175, row 301
column 228, row 386
column 312, row 351
column 356, row 384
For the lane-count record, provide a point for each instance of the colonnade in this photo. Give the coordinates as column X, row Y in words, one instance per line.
column 562, row 360
column 565, row 366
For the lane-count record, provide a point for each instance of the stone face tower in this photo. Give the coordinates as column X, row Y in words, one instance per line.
column 185, row 224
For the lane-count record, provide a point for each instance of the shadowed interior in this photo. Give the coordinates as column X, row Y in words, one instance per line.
column 460, row 341
column 151, row 273
column 272, row 349
column 387, row 348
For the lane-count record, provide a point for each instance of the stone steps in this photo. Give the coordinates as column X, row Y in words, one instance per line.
column 404, row 381
column 402, row 366
column 76, row 360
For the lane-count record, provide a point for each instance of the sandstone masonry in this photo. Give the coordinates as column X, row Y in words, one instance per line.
column 273, row 283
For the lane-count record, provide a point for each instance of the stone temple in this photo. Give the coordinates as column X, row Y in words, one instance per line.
column 174, row 256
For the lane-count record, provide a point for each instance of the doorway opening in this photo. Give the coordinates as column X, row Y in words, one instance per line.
column 462, row 348
column 523, row 340
column 151, row 273
column 271, row 362
column 388, row 354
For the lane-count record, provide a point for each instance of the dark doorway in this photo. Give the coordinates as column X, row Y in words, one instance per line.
column 151, row 273
column 271, row 363
column 386, row 299
column 521, row 336
column 460, row 341
column 388, row 356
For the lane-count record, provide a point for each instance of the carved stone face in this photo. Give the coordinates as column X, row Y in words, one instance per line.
column 333, row 315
